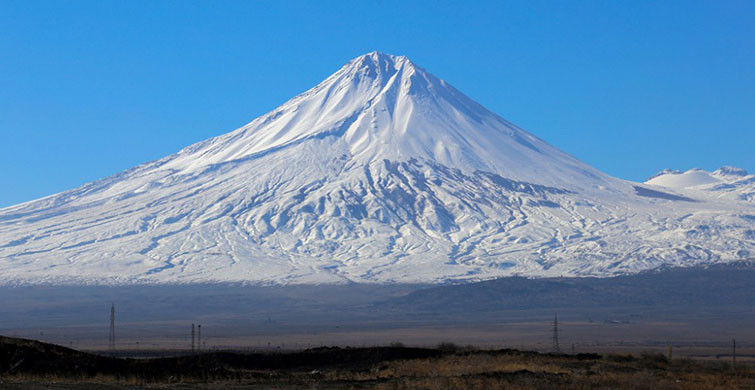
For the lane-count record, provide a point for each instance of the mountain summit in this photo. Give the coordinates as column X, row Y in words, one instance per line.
column 381, row 173
column 379, row 107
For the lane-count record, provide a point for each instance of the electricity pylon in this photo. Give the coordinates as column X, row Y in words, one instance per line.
column 555, row 334
column 111, row 337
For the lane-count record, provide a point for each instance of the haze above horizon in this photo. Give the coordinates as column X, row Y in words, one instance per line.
column 88, row 89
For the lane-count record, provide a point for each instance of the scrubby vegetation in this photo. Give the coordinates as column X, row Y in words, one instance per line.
column 28, row 364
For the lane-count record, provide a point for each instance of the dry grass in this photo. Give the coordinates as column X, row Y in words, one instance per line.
column 456, row 368
column 524, row 371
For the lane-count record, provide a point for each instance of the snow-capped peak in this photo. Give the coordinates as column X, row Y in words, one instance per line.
column 377, row 65
column 384, row 107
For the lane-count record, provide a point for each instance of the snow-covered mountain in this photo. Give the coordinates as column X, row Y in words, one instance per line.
column 724, row 183
column 381, row 173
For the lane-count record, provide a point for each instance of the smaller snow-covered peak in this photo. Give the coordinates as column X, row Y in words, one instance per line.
column 679, row 180
column 695, row 177
column 725, row 182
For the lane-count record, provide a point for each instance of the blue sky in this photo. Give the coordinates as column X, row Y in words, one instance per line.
column 88, row 89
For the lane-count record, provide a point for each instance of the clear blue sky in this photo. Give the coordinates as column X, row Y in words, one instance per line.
column 90, row 88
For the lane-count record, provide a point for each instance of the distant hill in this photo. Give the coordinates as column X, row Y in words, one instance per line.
column 718, row 285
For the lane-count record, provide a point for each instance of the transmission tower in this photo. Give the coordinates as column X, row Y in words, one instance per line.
column 555, row 334
column 192, row 337
column 733, row 353
column 199, row 337
column 111, row 337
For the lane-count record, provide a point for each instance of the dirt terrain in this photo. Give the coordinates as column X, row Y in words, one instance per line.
column 27, row 364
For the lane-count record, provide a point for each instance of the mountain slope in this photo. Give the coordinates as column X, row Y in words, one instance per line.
column 381, row 173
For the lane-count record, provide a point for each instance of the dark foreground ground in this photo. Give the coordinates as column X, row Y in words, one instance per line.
column 26, row 364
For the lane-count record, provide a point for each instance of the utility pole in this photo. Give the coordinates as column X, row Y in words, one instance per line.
column 199, row 337
column 555, row 334
column 111, row 337
column 192, row 338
